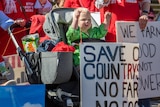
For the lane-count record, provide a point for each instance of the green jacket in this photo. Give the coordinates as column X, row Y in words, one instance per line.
column 74, row 34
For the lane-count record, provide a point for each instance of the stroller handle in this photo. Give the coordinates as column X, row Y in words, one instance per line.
column 10, row 29
column 19, row 50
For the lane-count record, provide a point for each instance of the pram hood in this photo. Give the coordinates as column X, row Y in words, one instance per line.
column 53, row 18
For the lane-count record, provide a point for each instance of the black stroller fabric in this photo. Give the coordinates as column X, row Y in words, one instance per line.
column 34, row 61
column 47, row 45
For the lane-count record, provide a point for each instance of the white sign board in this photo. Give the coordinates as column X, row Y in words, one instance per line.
column 149, row 54
column 109, row 76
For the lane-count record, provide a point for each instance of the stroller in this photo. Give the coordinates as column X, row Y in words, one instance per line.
column 55, row 69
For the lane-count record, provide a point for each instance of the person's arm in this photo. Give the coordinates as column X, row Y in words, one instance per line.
column 143, row 19
column 145, row 7
column 5, row 21
column 61, row 3
column 76, row 14
column 72, row 35
column 107, row 18
column 100, row 31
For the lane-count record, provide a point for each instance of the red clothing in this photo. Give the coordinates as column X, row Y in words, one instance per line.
column 37, row 27
column 122, row 11
column 90, row 4
column 62, row 47
column 13, row 10
column 71, row 4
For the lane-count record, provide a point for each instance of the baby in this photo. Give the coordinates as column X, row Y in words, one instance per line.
column 81, row 28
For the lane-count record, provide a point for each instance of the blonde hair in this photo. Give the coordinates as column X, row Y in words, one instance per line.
column 85, row 10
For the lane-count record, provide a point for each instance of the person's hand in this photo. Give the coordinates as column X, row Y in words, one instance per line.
column 143, row 21
column 77, row 13
column 107, row 19
column 20, row 22
column 107, row 16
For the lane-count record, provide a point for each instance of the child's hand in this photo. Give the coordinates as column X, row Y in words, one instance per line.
column 77, row 13
column 107, row 16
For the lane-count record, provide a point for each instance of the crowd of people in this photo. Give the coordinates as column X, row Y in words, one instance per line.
column 18, row 11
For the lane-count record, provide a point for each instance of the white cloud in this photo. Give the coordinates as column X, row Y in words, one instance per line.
column 31, row 105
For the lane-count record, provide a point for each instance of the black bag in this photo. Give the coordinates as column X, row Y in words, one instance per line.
column 50, row 67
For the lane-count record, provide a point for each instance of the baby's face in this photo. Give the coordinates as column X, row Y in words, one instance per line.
column 84, row 21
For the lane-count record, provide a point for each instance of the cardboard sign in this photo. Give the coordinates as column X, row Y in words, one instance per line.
column 109, row 74
column 149, row 54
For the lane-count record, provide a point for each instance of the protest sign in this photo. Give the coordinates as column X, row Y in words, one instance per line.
column 109, row 76
column 149, row 52
column 22, row 96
